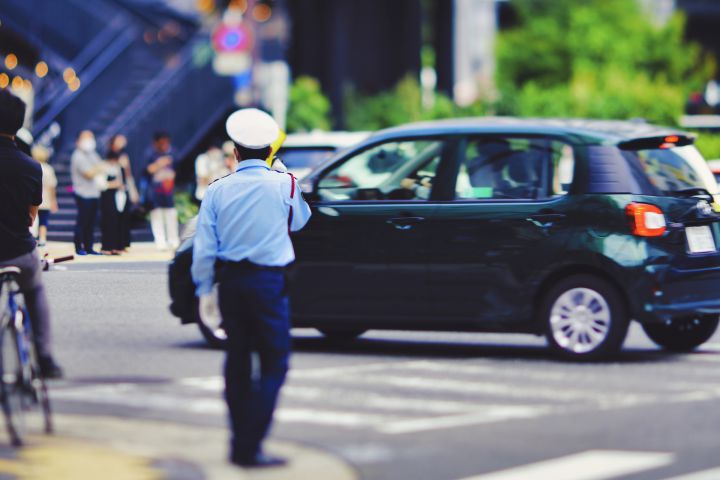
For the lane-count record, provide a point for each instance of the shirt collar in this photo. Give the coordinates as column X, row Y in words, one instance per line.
column 245, row 164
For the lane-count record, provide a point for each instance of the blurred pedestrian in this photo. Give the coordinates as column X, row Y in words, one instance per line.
column 49, row 193
column 209, row 166
column 117, row 150
column 85, row 166
column 243, row 228
column 20, row 197
column 24, row 140
column 160, row 167
column 113, row 200
column 228, row 149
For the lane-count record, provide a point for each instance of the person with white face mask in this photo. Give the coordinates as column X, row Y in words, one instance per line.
column 85, row 166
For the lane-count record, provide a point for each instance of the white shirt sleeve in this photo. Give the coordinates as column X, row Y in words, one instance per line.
column 205, row 246
column 300, row 209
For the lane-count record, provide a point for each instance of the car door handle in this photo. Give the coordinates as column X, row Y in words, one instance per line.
column 404, row 223
column 546, row 220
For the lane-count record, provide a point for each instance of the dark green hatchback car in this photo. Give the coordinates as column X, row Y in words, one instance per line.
column 567, row 228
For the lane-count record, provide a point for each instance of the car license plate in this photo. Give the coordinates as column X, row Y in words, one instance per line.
column 700, row 239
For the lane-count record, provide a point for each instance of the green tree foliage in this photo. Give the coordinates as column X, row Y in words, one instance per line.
column 185, row 207
column 709, row 145
column 596, row 58
column 309, row 109
column 403, row 104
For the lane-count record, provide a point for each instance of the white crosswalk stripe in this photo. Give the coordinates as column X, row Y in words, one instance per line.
column 711, row 474
column 488, row 414
column 590, row 465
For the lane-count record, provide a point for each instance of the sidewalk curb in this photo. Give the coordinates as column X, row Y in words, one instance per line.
column 156, row 450
column 139, row 252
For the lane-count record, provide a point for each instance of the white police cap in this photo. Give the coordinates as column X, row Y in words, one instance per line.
column 252, row 128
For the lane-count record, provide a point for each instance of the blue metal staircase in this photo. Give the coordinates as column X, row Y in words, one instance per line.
column 131, row 82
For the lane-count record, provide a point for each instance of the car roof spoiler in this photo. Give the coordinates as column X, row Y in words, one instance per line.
column 663, row 141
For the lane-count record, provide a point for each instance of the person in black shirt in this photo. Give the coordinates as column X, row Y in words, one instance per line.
column 20, row 196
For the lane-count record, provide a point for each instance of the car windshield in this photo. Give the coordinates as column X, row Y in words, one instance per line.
column 670, row 170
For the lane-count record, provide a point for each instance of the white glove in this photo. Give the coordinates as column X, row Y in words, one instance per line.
column 209, row 311
column 279, row 166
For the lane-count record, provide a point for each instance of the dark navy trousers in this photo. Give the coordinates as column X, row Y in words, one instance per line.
column 254, row 307
column 84, row 234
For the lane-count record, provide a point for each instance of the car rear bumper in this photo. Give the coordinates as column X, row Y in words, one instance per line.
column 675, row 293
column 710, row 307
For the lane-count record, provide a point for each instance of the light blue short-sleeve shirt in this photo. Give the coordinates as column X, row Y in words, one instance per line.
column 247, row 215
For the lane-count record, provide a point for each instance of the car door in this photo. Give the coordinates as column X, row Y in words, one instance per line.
column 504, row 227
column 362, row 256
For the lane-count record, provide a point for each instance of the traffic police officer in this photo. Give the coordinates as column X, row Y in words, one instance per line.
column 243, row 243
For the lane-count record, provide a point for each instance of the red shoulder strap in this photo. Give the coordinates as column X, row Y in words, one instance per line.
column 292, row 195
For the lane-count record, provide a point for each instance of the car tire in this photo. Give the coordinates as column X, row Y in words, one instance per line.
column 584, row 317
column 682, row 334
column 336, row 334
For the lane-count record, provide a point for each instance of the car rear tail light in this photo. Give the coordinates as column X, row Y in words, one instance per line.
column 646, row 220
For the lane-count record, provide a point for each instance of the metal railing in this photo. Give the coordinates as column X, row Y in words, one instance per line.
column 88, row 75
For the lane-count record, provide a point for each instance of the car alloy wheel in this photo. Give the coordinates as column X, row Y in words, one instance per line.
column 580, row 320
column 584, row 317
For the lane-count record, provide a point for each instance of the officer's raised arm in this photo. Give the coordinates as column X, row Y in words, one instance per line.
column 300, row 208
column 205, row 246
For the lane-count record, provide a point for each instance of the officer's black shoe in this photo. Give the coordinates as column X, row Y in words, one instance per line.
column 259, row 460
column 49, row 369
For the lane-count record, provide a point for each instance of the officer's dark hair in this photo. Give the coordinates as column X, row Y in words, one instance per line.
column 249, row 153
column 12, row 113
column 160, row 134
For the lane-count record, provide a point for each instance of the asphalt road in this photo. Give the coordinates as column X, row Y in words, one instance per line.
column 399, row 405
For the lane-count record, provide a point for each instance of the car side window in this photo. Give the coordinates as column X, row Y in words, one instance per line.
column 514, row 168
column 398, row 170
column 563, row 171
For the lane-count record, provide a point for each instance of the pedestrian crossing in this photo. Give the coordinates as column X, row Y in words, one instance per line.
column 410, row 396
column 379, row 402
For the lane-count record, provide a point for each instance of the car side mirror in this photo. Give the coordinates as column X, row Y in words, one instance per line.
column 307, row 185
column 309, row 189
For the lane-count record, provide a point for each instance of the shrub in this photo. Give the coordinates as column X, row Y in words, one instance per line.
column 599, row 59
column 709, row 145
column 402, row 104
column 309, row 108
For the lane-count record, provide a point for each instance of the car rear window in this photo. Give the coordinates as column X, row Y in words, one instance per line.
column 662, row 171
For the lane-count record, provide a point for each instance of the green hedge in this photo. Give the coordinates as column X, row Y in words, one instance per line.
column 402, row 104
column 709, row 145
column 309, row 108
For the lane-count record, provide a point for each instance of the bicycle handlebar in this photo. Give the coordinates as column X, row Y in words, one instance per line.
column 66, row 258
column 47, row 261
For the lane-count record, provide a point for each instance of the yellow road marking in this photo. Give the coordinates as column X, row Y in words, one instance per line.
column 62, row 459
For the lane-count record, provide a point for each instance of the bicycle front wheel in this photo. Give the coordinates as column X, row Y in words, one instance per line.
column 13, row 394
column 39, row 386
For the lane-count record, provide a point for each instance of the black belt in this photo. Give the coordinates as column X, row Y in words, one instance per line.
column 248, row 265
